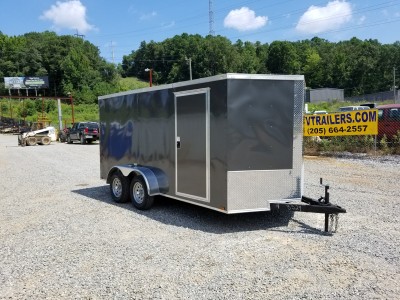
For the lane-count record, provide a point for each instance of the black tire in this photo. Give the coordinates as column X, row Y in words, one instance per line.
column 83, row 141
column 31, row 141
column 45, row 140
column 119, row 188
column 89, row 141
column 21, row 141
column 62, row 138
column 139, row 195
column 69, row 141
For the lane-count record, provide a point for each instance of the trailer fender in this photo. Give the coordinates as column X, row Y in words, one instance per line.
column 156, row 180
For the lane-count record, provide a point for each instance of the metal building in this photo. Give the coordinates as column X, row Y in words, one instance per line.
column 324, row 95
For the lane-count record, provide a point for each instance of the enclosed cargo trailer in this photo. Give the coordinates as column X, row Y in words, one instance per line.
column 231, row 142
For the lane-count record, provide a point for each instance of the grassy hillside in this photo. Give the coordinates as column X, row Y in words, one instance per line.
column 131, row 83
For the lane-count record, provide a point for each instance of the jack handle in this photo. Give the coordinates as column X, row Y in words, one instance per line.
column 324, row 199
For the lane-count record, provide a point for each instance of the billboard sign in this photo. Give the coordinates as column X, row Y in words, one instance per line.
column 31, row 82
column 358, row 122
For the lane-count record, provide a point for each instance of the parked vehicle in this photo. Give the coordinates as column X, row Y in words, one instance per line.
column 370, row 105
column 84, row 132
column 231, row 143
column 320, row 112
column 42, row 136
column 351, row 108
column 388, row 120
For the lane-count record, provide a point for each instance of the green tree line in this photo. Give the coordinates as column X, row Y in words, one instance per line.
column 75, row 66
column 359, row 67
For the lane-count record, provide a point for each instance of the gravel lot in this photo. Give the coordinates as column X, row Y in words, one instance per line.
column 61, row 236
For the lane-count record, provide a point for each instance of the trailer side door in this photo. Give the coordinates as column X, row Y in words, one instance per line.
column 192, row 155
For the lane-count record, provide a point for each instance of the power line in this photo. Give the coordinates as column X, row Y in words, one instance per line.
column 274, row 18
column 365, row 9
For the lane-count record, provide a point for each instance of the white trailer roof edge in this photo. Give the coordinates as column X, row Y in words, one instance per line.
column 207, row 79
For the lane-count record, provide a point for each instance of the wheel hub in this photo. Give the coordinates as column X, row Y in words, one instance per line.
column 117, row 187
column 138, row 192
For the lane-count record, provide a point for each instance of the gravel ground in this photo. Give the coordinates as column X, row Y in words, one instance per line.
column 61, row 236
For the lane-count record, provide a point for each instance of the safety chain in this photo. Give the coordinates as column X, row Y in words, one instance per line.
column 334, row 223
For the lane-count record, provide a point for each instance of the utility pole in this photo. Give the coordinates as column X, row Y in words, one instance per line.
column 394, row 84
column 151, row 75
column 112, row 51
column 189, row 61
column 211, row 17
column 79, row 35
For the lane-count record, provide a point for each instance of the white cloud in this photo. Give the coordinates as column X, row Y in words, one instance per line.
column 148, row 16
column 68, row 14
column 320, row 19
column 244, row 19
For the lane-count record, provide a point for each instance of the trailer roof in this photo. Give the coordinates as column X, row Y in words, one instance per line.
column 208, row 79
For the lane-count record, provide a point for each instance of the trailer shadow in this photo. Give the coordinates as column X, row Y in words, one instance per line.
column 181, row 214
column 304, row 228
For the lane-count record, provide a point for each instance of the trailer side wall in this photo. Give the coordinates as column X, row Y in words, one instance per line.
column 139, row 127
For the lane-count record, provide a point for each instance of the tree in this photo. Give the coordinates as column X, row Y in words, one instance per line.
column 311, row 65
column 248, row 60
column 282, row 58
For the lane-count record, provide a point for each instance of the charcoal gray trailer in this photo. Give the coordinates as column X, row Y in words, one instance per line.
column 231, row 142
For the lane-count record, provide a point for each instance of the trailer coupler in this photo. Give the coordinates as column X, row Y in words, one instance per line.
column 307, row 204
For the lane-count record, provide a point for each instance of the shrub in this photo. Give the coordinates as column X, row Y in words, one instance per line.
column 354, row 144
column 384, row 146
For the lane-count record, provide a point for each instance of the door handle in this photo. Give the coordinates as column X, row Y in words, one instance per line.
column 178, row 142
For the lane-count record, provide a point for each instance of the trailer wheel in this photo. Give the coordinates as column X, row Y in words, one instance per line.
column 119, row 188
column 31, row 141
column 139, row 195
column 69, row 141
column 83, row 141
column 46, row 140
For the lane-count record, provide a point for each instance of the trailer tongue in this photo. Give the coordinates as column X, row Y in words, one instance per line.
column 231, row 143
column 322, row 206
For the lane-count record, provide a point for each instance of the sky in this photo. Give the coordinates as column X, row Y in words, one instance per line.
column 118, row 27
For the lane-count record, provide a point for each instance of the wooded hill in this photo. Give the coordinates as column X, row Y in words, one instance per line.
column 75, row 65
column 72, row 64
